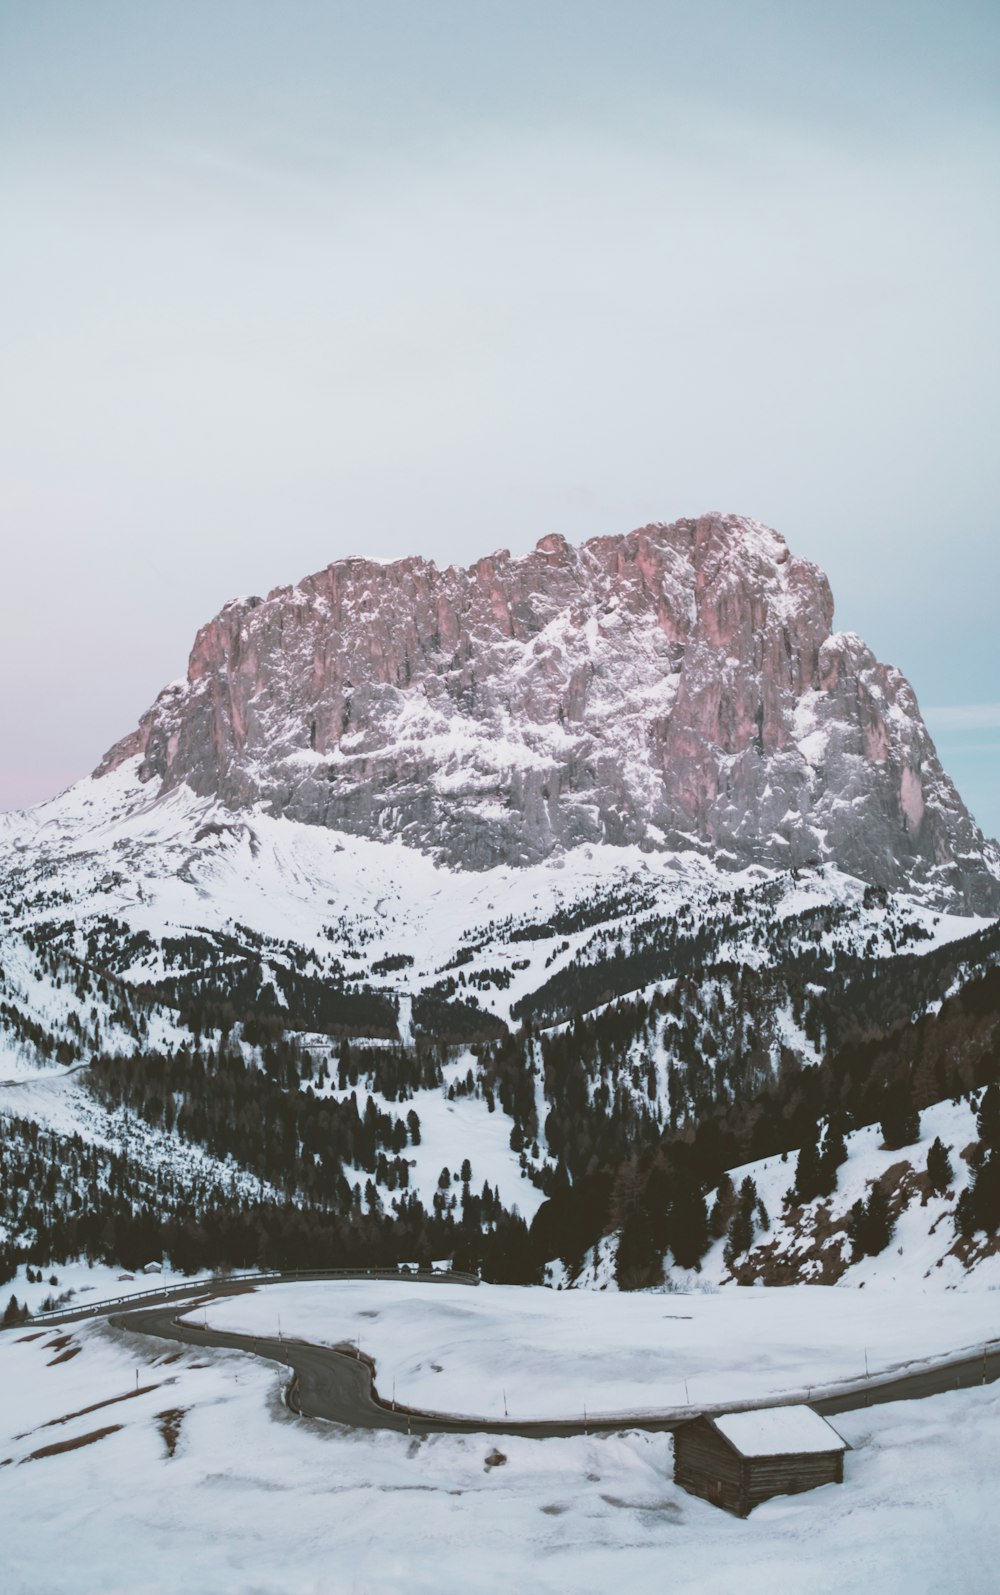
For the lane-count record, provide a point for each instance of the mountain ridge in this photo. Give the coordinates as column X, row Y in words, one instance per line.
column 677, row 687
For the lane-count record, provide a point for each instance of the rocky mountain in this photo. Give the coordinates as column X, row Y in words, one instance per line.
column 432, row 904
column 679, row 688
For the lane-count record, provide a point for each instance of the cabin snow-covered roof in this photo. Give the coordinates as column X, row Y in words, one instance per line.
column 778, row 1431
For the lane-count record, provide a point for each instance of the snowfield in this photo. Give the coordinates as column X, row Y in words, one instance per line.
column 550, row 1354
column 256, row 1502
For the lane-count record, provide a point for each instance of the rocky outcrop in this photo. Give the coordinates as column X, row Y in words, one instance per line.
column 679, row 687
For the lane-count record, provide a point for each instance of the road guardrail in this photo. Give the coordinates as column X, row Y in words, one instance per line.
column 216, row 1282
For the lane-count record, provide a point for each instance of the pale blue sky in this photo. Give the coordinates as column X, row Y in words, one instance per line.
column 283, row 282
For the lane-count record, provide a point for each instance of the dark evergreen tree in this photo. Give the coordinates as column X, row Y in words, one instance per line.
column 809, row 1174
column 900, row 1121
column 687, row 1223
column 740, row 1237
column 638, row 1260
column 741, row 1228
column 984, row 1195
column 14, row 1313
column 878, row 1222
column 722, row 1207
column 832, row 1157
column 988, row 1117
column 939, row 1169
column 870, row 1224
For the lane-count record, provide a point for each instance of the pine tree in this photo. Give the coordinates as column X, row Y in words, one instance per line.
column 722, row 1207
column 856, row 1228
column 687, row 1221
column 834, row 1154
column 939, row 1169
column 900, row 1122
column 808, row 1173
column 740, row 1237
column 13, row 1313
column 986, row 1194
column 870, row 1224
column 965, row 1214
column 988, row 1118
column 638, row 1261
column 878, row 1223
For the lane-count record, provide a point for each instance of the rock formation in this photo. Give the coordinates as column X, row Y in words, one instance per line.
column 679, row 687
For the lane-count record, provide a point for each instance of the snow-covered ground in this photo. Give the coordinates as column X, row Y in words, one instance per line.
column 256, row 1502
column 542, row 1353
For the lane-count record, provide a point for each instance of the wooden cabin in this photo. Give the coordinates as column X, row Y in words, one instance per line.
column 738, row 1459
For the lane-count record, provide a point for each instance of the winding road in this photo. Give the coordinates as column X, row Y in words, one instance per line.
column 338, row 1383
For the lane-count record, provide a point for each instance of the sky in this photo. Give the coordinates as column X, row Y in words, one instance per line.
column 283, row 283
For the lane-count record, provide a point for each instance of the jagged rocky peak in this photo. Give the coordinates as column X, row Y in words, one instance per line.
column 678, row 687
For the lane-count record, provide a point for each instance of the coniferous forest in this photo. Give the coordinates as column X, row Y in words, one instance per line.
column 300, row 1167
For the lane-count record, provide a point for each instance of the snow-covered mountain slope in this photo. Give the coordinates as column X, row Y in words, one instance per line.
column 810, row 1241
column 55, row 1007
column 136, row 923
column 116, row 876
column 118, row 889
column 679, row 688
column 92, row 1150
column 791, row 1241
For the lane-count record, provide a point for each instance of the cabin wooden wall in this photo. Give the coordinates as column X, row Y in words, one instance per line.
column 767, row 1476
column 705, row 1465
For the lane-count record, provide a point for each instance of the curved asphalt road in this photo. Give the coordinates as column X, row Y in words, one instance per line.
column 338, row 1385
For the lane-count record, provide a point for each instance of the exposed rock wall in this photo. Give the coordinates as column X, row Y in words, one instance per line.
column 676, row 687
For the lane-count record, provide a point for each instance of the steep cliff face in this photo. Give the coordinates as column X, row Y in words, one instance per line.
column 679, row 687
